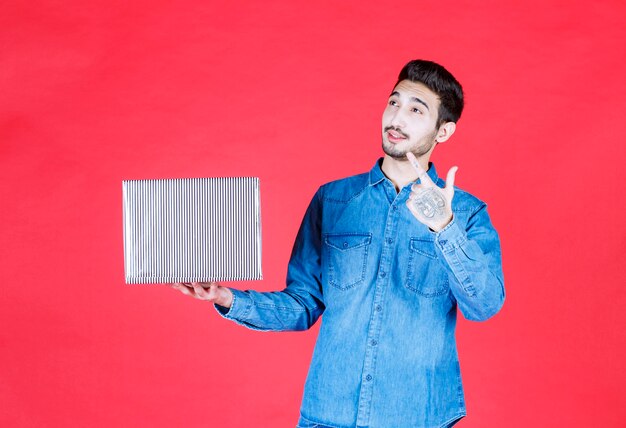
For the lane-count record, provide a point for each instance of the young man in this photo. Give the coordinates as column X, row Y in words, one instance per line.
column 386, row 256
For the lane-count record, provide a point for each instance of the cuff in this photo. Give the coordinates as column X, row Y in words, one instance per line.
column 450, row 237
column 239, row 308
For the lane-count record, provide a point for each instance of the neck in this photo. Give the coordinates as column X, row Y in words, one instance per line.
column 400, row 171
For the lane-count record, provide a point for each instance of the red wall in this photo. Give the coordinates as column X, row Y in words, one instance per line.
column 292, row 91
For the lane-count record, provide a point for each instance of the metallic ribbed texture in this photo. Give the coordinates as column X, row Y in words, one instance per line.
column 196, row 229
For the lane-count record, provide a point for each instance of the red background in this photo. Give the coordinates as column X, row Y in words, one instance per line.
column 292, row 92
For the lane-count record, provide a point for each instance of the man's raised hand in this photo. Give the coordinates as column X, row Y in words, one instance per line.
column 429, row 203
column 211, row 291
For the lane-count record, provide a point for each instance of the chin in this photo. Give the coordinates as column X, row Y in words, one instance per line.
column 393, row 152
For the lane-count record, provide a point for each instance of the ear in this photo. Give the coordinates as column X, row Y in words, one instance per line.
column 445, row 131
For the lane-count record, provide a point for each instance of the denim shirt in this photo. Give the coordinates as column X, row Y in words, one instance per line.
column 389, row 288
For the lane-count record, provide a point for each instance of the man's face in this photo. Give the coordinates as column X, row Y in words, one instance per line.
column 409, row 120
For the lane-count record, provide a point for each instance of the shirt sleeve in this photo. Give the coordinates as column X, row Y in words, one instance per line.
column 473, row 257
column 300, row 303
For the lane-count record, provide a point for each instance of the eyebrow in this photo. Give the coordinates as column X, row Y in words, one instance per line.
column 415, row 99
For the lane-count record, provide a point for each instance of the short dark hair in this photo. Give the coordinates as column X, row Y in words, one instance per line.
column 441, row 82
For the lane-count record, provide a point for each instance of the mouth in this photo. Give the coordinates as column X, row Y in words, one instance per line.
column 395, row 137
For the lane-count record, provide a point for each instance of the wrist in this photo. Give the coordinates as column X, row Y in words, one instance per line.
column 439, row 228
column 226, row 297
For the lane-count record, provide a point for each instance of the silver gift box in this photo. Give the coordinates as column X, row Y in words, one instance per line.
column 196, row 229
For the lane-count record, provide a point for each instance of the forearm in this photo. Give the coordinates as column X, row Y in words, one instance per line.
column 288, row 310
column 301, row 303
column 476, row 273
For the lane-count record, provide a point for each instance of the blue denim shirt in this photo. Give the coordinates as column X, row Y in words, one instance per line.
column 389, row 288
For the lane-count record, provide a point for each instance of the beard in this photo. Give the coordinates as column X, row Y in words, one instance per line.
column 420, row 148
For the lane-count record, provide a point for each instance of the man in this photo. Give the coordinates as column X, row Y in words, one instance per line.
column 386, row 256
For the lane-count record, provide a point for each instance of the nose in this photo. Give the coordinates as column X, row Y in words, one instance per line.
column 397, row 120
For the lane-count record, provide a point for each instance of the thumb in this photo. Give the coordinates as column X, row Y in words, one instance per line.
column 450, row 179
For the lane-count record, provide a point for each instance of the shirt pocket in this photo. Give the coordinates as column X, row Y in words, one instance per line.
column 346, row 258
column 426, row 276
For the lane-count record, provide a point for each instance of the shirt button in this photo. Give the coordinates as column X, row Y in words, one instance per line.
column 442, row 241
column 379, row 308
column 345, row 245
column 383, row 274
column 374, row 343
column 390, row 241
column 395, row 208
column 368, row 377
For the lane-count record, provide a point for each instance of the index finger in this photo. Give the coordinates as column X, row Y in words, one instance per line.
column 421, row 173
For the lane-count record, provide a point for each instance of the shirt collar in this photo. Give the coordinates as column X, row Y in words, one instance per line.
column 377, row 175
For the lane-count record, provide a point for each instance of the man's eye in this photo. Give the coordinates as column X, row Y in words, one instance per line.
column 392, row 103
column 416, row 110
